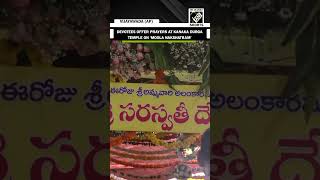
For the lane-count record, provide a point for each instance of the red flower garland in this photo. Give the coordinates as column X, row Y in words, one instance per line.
column 144, row 157
column 144, row 165
column 144, row 152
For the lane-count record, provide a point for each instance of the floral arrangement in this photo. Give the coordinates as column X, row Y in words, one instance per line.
column 182, row 171
column 188, row 56
column 143, row 157
column 129, row 61
column 177, row 158
column 185, row 143
column 189, row 153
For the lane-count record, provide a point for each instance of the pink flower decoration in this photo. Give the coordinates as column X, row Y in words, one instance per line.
column 140, row 56
column 116, row 60
column 139, row 47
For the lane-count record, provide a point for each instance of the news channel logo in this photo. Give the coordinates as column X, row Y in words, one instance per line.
column 196, row 15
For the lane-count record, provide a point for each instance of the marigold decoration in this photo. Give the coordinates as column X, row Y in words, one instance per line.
column 163, row 136
column 119, row 140
column 174, row 145
column 140, row 137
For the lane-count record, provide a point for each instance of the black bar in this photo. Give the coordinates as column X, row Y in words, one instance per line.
column 124, row 36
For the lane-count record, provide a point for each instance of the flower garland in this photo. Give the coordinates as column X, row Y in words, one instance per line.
column 144, row 157
column 119, row 140
column 131, row 176
column 175, row 145
column 139, row 137
column 144, row 152
column 162, row 136
column 130, row 60
column 144, row 165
